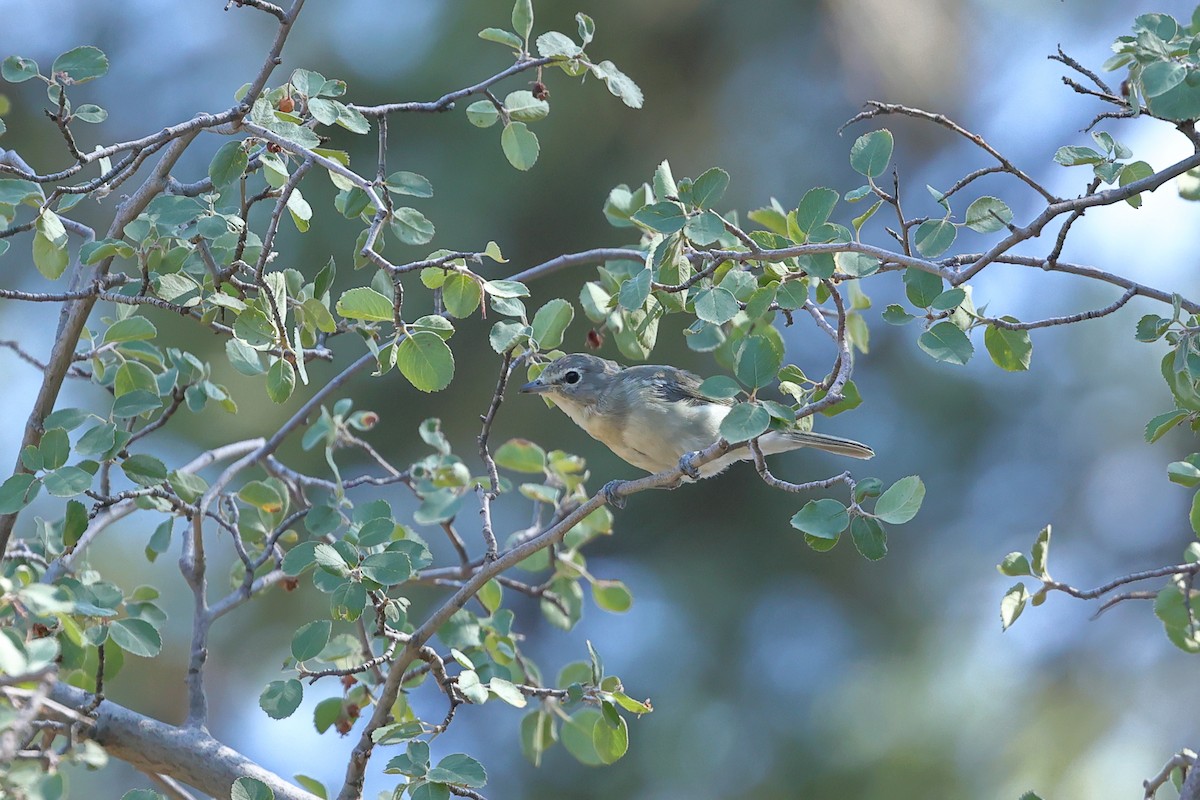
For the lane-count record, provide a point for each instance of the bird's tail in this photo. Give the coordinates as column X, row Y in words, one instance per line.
column 791, row 440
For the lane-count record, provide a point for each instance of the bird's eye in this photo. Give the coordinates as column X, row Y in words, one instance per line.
column 571, row 377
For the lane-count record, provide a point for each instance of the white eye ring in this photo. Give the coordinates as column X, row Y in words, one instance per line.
column 571, row 377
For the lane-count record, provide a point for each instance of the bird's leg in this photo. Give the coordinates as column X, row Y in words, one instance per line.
column 612, row 493
column 687, row 467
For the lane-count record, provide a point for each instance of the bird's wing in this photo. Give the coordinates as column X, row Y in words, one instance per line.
column 678, row 386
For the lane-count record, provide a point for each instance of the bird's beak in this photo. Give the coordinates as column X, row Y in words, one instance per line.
column 536, row 387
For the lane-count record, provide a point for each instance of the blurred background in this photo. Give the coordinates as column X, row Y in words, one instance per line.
column 775, row 672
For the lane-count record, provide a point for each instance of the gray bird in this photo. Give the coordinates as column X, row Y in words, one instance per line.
column 652, row 416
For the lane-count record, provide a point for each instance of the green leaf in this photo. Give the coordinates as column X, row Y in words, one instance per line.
column 51, row 259
column 521, row 455
column 1158, row 427
column 869, row 537
column 1073, row 156
column 506, row 288
column 946, row 342
column 459, row 769
column 228, row 164
column 709, row 188
column 1160, row 77
column 1194, row 514
column 242, row 357
column 310, row 640
column 482, row 114
column 75, row 522
column 55, row 448
column 550, row 323
column 16, row 69
column 537, row 735
column 461, row 295
column 871, row 153
column 522, row 18
column 365, row 303
column 90, row 113
column 18, row 491
column 633, row 293
column 250, row 789
column 280, row 699
column 664, row 217
column 189, row 487
column 501, row 37
column 520, row 145
column 553, row 44
column 756, row 361
column 409, row 183
column 1135, row 171
column 823, row 519
column 705, row 228
column 745, row 421
column 921, row 287
column 67, row 481
column 491, row 594
column 387, row 569
column 1014, row 565
column 134, row 376
column 506, row 334
column 1151, row 327
column 262, row 496
column 612, row 596
column 1041, row 553
column 815, row 208
column 716, row 305
column 144, row 469
column 135, row 403
column 430, row 791
column 130, row 329
column 1012, row 604
column 611, row 741
column 82, row 64
column 988, row 214
column 522, row 106
column 281, row 381
column 1010, row 350
column 720, row 387
column 901, row 501
column 934, row 237
column 577, row 733
column 136, row 637
column 411, row 226
column 618, row 83
column 949, row 299
column 426, row 361
column 896, row 315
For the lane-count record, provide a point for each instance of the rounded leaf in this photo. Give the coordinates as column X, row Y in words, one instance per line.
column 135, row 636
column 426, row 361
column 310, row 640
column 871, row 153
column 461, row 294
column 745, row 421
column 280, row 699
column 822, row 519
column 901, row 501
column 228, row 164
column 520, row 145
column 988, row 214
column 934, row 237
column 81, row 64
column 946, row 342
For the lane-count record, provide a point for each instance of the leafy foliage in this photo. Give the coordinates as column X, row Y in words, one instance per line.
column 192, row 251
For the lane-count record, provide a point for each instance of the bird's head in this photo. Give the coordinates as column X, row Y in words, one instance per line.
column 578, row 378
